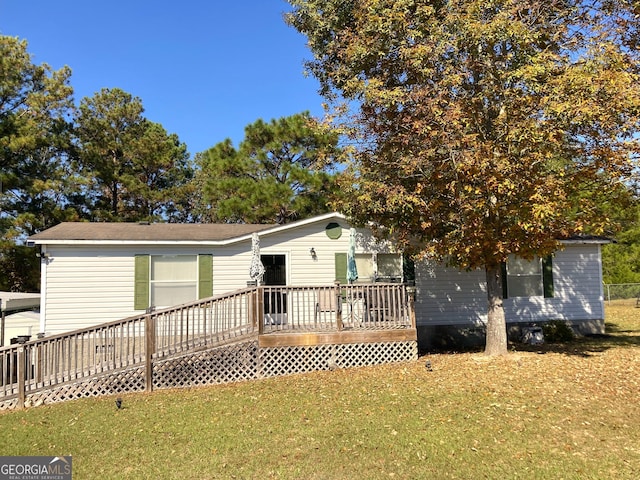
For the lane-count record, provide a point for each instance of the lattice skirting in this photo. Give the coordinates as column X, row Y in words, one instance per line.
column 9, row 404
column 301, row 359
column 229, row 363
column 113, row 383
column 245, row 361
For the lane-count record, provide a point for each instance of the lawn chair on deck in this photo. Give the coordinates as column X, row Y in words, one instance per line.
column 326, row 303
column 375, row 307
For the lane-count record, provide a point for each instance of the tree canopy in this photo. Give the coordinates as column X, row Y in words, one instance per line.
column 35, row 143
column 101, row 161
column 137, row 170
column 621, row 259
column 484, row 128
column 279, row 173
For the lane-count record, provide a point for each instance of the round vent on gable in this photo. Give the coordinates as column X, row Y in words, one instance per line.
column 333, row 231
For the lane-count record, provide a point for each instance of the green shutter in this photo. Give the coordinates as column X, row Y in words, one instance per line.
column 141, row 282
column 547, row 277
column 408, row 270
column 505, row 286
column 205, row 276
column 341, row 267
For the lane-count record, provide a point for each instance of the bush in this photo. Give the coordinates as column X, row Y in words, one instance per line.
column 557, row 331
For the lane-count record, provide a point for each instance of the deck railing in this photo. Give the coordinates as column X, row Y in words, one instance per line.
column 139, row 340
column 71, row 356
column 339, row 307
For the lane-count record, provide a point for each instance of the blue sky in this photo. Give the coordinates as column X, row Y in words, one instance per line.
column 204, row 69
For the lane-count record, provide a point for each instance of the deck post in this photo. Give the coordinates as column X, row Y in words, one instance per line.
column 259, row 317
column 339, row 324
column 253, row 307
column 20, row 371
column 149, row 350
column 411, row 294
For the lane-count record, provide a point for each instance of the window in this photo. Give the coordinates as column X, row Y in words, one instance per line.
column 364, row 265
column 528, row 278
column 166, row 280
column 381, row 267
column 174, row 279
column 389, row 267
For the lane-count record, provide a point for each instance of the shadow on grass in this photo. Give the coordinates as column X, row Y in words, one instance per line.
column 614, row 337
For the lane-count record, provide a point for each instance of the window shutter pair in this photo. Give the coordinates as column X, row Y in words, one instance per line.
column 547, row 278
column 142, row 273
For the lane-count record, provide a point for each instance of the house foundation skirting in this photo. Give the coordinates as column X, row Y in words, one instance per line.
column 224, row 364
column 452, row 337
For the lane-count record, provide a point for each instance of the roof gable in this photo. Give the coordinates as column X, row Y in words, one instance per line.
column 183, row 233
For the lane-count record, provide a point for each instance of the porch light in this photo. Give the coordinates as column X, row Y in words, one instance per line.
column 312, row 251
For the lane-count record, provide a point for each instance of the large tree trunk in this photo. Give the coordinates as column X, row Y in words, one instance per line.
column 496, row 324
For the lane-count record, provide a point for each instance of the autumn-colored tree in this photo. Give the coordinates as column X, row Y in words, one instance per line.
column 280, row 172
column 484, row 127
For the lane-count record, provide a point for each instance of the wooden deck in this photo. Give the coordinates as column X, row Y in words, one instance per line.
column 252, row 333
column 285, row 339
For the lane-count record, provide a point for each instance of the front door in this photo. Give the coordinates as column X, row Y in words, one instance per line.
column 275, row 302
column 275, row 269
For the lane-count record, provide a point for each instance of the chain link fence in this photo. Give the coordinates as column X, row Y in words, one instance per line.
column 623, row 292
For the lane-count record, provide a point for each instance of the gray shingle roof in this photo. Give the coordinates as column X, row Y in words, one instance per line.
column 147, row 232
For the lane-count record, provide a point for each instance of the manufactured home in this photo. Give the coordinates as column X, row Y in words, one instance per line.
column 94, row 273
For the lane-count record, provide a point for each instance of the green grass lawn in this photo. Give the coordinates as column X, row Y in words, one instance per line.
column 563, row 411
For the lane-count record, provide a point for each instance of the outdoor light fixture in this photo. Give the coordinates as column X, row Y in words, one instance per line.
column 312, row 251
column 42, row 255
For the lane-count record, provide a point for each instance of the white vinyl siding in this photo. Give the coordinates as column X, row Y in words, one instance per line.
column 578, row 295
column 446, row 296
column 232, row 262
column 87, row 286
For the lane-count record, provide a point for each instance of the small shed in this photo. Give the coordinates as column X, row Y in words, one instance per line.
column 14, row 302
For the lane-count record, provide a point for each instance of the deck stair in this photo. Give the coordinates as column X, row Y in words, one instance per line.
column 250, row 333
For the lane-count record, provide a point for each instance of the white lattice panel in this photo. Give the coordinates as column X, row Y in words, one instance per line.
column 231, row 363
column 288, row 360
column 125, row 381
column 363, row 354
column 8, row 404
